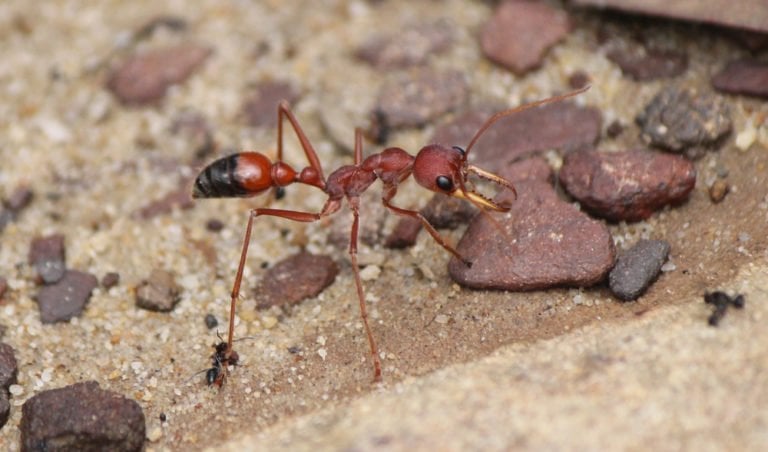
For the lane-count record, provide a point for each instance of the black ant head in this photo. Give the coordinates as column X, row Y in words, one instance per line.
column 445, row 170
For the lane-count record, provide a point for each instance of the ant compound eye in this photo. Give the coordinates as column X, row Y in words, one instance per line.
column 444, row 183
column 460, row 150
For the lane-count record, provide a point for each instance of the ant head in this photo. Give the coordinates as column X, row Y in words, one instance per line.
column 445, row 170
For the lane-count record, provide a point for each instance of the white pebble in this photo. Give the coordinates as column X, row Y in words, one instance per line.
column 323, row 353
column 370, row 273
column 442, row 319
column 16, row 390
column 155, row 434
column 668, row 267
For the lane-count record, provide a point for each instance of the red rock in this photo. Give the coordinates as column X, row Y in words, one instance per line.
column 627, row 186
column 46, row 254
column 404, row 233
column 542, row 242
column 144, row 78
column 519, row 34
column 260, row 107
column 642, row 63
column 66, row 298
column 295, row 278
column 416, row 97
column 409, row 46
column 749, row 77
column 159, row 292
column 562, row 125
column 81, row 416
column 533, row 168
column 749, row 14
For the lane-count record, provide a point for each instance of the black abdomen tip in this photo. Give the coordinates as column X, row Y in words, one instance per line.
column 217, row 180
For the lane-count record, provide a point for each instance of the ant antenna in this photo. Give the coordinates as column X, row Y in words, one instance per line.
column 518, row 109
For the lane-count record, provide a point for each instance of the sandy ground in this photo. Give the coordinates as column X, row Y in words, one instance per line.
column 557, row 369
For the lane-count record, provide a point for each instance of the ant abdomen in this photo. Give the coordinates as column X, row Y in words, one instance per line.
column 239, row 175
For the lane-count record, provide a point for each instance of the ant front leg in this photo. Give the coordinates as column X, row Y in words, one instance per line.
column 306, row 217
column 390, row 193
column 354, row 204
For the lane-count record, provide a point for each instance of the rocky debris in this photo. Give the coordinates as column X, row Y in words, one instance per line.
column 446, row 212
column 579, row 79
column 721, row 301
column 211, row 321
column 404, row 233
column 144, row 78
column 542, row 242
column 520, row 33
column 295, row 278
column 81, row 416
column 643, row 63
column 414, row 98
column 749, row 77
column 47, row 255
column 159, row 292
column 749, row 14
column 682, row 119
column 260, row 107
column 562, row 125
column 214, row 225
column 718, row 190
column 8, row 371
column 110, row 280
column 8, row 366
column 637, row 268
column 14, row 204
column 197, row 131
column 180, row 198
column 410, row 46
column 627, row 186
column 614, row 129
column 66, row 298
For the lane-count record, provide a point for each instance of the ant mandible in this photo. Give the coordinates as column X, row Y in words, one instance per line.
column 436, row 167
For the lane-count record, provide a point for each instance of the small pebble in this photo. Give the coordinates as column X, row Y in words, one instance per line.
column 8, row 366
column 370, row 273
column 20, row 198
column 46, row 254
column 642, row 63
column 627, row 186
column 295, row 278
column 81, row 417
column 211, row 322
column 746, row 76
column 718, row 190
column 637, row 268
column 110, row 280
column 159, row 292
column 683, row 119
column 260, row 107
column 404, row 233
column 519, row 34
column 66, row 298
column 214, row 225
column 144, row 78
column 442, row 319
column 155, row 434
column 410, row 46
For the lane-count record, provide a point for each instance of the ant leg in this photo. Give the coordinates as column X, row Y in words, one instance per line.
column 354, row 203
column 307, row 217
column 390, row 193
column 284, row 111
column 358, row 146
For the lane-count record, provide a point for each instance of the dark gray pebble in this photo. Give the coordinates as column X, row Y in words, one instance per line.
column 47, row 255
column 637, row 268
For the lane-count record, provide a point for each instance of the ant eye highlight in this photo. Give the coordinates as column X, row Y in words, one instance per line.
column 460, row 150
column 444, row 183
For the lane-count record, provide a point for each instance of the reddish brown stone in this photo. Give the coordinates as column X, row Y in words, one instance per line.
column 81, row 417
column 519, row 34
column 404, row 233
column 561, row 125
column 533, row 168
column 542, row 242
column 19, row 199
column 644, row 64
column 110, row 280
column 46, row 254
column 749, row 77
column 159, row 292
column 410, row 46
column 295, row 278
column 749, row 14
column 66, row 298
column 260, row 108
column 144, row 78
column 627, row 186
column 8, row 366
column 414, row 98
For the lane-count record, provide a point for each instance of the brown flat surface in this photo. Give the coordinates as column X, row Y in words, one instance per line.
column 88, row 161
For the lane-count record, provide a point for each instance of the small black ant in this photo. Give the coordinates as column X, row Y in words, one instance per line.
column 721, row 300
